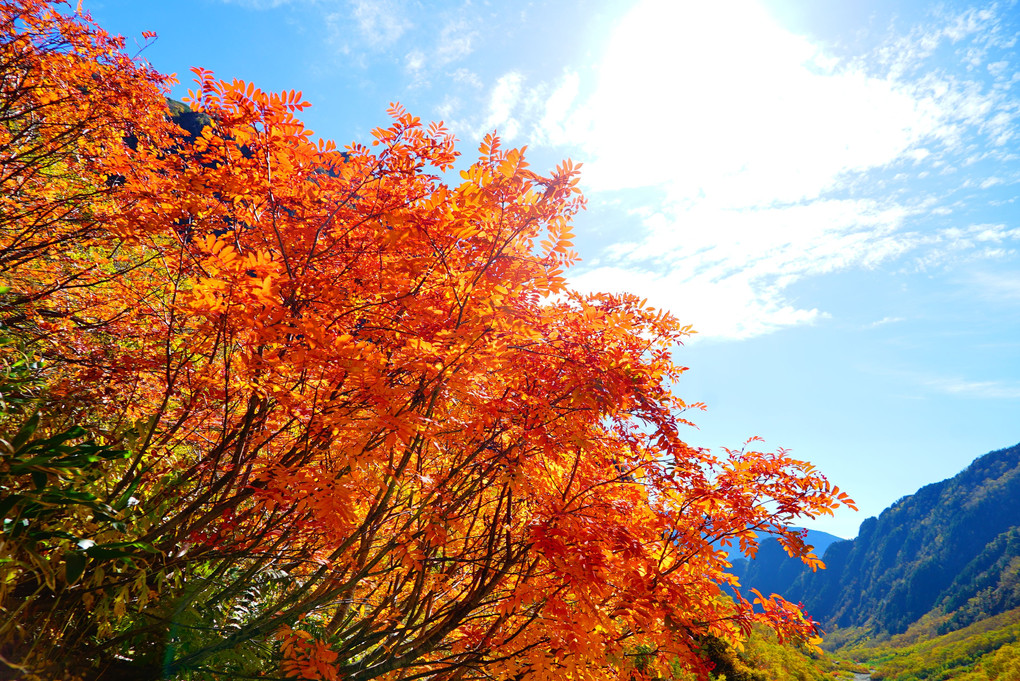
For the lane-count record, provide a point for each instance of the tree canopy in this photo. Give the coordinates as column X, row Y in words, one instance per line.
column 275, row 407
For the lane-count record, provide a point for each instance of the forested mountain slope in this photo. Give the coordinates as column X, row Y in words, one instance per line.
column 771, row 571
column 953, row 546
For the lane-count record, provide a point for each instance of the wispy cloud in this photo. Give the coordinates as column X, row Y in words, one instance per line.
column 738, row 306
column 425, row 40
column 548, row 112
column 415, row 60
column 771, row 159
column 973, row 33
column 994, row 390
column 267, row 4
column 466, row 76
column 503, row 100
column 884, row 321
column 379, row 22
column 456, row 41
column 727, row 270
column 999, row 287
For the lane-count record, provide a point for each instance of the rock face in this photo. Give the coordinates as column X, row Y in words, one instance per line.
column 953, row 546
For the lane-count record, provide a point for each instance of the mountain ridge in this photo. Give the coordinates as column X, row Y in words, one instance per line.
column 952, row 548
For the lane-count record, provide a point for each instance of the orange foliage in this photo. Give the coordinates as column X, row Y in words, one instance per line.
column 379, row 384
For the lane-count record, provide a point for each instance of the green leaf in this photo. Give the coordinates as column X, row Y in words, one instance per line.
column 8, row 503
column 122, row 503
column 58, row 439
column 43, row 535
column 25, row 432
column 74, row 566
column 121, row 549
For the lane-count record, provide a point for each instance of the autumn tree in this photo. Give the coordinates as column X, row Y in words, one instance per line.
column 347, row 420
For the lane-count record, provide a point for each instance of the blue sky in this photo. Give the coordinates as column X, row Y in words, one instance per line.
column 826, row 190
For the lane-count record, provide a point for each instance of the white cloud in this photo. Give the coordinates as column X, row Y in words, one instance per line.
column 550, row 113
column 503, row 99
column 998, row 68
column 266, row 4
column 904, row 55
column 771, row 159
column 999, row 287
column 964, row 245
column 456, row 41
column 380, row 22
column 763, row 149
column 968, row 23
column 917, row 155
column 885, row 320
column 558, row 108
column 733, row 307
column 434, row 49
column 996, row 233
column 725, row 270
column 997, row 390
column 730, row 106
column 415, row 61
column 810, row 238
column 448, row 107
column 468, row 77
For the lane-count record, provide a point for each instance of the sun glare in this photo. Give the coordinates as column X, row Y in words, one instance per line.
column 733, row 108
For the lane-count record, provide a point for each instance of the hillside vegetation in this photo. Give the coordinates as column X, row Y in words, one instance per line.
column 988, row 650
column 930, row 589
column 952, row 549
